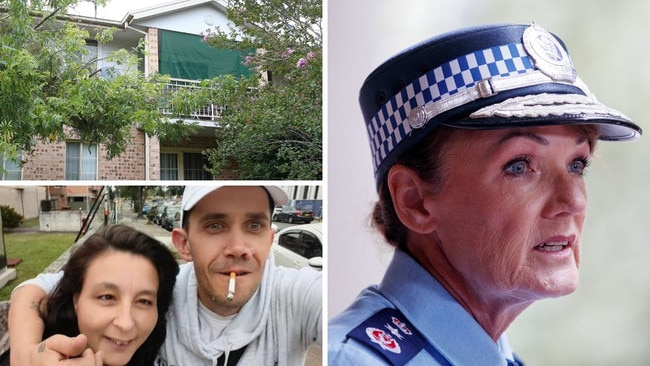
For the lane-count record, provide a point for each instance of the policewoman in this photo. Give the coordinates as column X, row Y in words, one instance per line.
column 480, row 140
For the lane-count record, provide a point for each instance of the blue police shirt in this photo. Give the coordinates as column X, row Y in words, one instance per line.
column 409, row 318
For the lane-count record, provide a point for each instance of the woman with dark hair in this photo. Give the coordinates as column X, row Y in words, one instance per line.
column 116, row 289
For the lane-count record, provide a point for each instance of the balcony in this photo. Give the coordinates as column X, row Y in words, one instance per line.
column 210, row 112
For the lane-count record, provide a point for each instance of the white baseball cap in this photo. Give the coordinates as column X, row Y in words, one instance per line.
column 193, row 194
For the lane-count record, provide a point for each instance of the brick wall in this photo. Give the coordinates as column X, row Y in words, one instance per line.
column 152, row 49
column 48, row 159
column 130, row 165
column 46, row 162
column 154, row 158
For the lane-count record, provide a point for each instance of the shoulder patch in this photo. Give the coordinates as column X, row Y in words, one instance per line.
column 390, row 335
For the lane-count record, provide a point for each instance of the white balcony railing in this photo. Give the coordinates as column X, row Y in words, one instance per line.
column 210, row 112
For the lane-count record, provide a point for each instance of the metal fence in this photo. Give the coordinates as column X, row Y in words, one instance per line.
column 209, row 112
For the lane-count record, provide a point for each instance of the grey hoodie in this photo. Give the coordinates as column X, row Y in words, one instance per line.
column 276, row 325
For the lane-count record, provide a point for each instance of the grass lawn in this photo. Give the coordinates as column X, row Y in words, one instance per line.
column 33, row 222
column 37, row 251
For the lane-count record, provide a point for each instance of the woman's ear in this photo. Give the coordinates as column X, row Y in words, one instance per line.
column 411, row 199
column 182, row 244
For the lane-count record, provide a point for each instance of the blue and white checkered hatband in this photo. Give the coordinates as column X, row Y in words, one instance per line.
column 488, row 77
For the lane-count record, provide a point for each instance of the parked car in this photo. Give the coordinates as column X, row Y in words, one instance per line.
column 160, row 208
column 276, row 210
column 176, row 223
column 167, row 220
column 293, row 214
column 299, row 246
column 146, row 208
column 163, row 213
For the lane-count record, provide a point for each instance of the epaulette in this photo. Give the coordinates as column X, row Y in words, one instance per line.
column 391, row 335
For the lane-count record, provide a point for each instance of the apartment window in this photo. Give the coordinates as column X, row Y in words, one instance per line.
column 168, row 166
column 193, row 164
column 92, row 52
column 11, row 169
column 188, row 165
column 80, row 161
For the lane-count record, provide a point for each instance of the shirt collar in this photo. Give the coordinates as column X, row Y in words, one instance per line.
column 438, row 316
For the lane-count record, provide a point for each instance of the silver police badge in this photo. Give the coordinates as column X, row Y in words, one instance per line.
column 548, row 55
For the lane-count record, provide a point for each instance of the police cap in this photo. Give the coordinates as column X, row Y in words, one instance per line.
column 485, row 77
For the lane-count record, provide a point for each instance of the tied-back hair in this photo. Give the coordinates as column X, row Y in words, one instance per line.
column 425, row 159
column 59, row 313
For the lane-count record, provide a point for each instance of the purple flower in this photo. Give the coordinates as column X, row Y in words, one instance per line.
column 301, row 63
column 287, row 53
column 248, row 60
column 207, row 34
column 310, row 55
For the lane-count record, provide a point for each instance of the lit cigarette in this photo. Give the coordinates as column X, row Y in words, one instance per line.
column 231, row 286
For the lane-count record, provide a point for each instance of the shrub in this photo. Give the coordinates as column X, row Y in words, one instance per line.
column 10, row 218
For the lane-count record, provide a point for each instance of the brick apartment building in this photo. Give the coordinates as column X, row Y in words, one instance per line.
column 172, row 32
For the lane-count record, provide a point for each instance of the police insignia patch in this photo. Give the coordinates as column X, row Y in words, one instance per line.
column 383, row 339
column 402, row 326
column 389, row 333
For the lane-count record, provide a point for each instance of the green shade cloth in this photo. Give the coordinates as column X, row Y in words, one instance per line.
column 186, row 56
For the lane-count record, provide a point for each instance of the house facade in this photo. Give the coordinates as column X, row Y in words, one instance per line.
column 31, row 201
column 24, row 199
column 306, row 197
column 175, row 47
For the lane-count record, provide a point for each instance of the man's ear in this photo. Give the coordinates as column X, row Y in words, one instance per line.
column 411, row 199
column 182, row 244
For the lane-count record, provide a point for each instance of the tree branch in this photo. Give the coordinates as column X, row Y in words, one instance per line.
column 48, row 17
